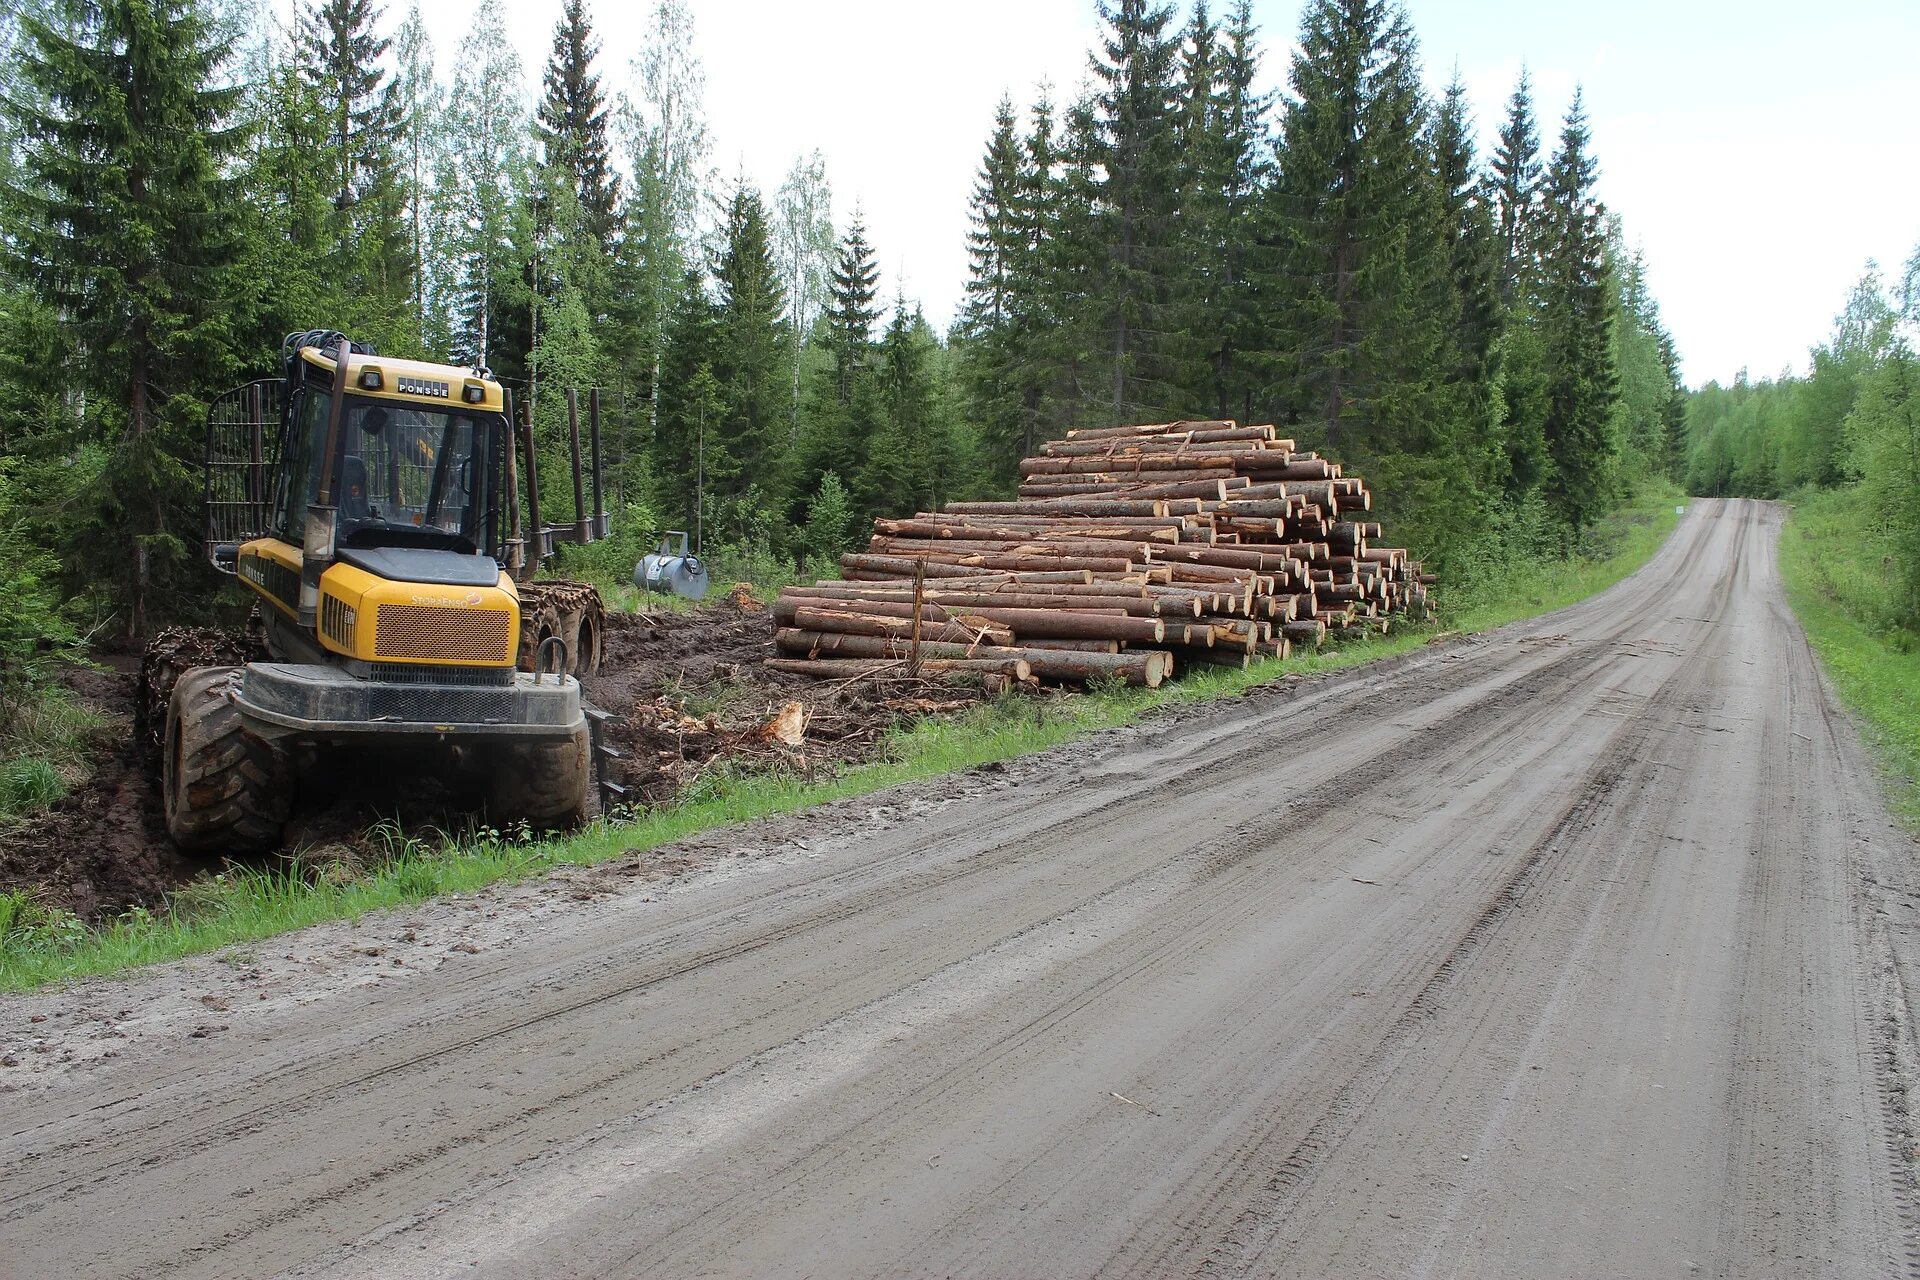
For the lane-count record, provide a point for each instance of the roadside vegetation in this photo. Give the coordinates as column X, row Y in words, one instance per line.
column 1845, row 586
column 243, row 904
column 1841, row 441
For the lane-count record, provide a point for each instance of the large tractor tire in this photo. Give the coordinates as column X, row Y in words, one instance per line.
column 548, row 784
column 226, row 790
column 173, row 652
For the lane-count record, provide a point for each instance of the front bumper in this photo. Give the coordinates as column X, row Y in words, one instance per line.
column 325, row 703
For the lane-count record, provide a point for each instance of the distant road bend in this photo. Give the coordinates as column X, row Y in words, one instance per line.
column 1579, row 949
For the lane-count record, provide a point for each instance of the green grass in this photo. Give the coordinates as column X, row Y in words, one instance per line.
column 1837, row 578
column 37, row 946
column 47, row 739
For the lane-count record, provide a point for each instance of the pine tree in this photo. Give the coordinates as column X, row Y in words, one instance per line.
column 120, row 226
column 1576, row 333
column 753, row 426
column 1135, row 149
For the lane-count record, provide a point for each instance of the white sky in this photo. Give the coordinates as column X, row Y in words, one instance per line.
column 1760, row 151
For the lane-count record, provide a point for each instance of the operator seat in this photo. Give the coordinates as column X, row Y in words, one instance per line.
column 353, row 488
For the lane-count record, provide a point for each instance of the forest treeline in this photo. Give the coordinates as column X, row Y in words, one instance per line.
column 1850, row 421
column 182, row 182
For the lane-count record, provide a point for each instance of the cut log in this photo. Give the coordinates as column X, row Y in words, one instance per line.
column 842, row 668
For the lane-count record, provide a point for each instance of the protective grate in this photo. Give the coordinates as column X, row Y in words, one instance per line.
column 242, row 448
column 442, row 706
column 453, row 635
column 491, row 677
column 338, row 621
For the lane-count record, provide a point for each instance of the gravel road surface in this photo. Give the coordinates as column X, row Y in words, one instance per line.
column 1580, row 949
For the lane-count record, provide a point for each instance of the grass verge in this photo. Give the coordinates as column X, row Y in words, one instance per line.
column 1836, row 579
column 46, row 739
column 1527, row 585
column 245, row 904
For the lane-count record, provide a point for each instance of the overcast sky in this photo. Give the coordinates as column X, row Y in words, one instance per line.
column 1759, row 151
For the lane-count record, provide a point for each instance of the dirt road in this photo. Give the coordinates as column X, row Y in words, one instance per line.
column 1580, row 949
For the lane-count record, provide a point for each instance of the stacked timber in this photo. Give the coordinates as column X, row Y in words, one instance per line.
column 1128, row 551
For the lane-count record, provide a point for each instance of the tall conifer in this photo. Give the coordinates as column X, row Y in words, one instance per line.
column 750, row 369
column 122, row 223
column 571, row 124
column 1515, row 182
column 1576, row 315
column 1135, row 150
column 341, row 56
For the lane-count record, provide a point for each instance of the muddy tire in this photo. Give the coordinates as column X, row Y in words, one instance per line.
column 225, row 790
column 572, row 611
column 582, row 632
column 547, row 785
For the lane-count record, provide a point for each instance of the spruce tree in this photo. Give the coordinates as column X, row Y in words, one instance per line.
column 122, row 225
column 1515, row 183
column 750, row 370
column 851, row 308
column 688, row 451
column 1224, row 147
column 841, row 415
column 1576, row 319
column 290, row 184
column 1473, row 266
column 571, row 125
column 341, row 58
column 906, row 464
column 1471, row 235
column 1361, row 300
column 1135, row 149
column 997, row 243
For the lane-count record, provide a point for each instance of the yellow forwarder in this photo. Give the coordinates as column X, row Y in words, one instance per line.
column 365, row 500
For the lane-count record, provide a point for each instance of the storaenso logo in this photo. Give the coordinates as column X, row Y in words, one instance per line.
column 473, row 600
column 424, row 387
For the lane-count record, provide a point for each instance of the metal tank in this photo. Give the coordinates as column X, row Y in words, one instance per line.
column 670, row 568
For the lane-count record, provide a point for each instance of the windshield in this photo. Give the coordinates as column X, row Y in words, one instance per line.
column 407, row 475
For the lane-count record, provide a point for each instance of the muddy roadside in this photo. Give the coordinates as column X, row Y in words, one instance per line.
column 687, row 688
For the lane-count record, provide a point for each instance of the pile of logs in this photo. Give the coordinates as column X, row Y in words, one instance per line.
column 1128, row 550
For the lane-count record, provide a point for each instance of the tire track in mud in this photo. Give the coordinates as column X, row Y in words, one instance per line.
column 1256, row 1219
